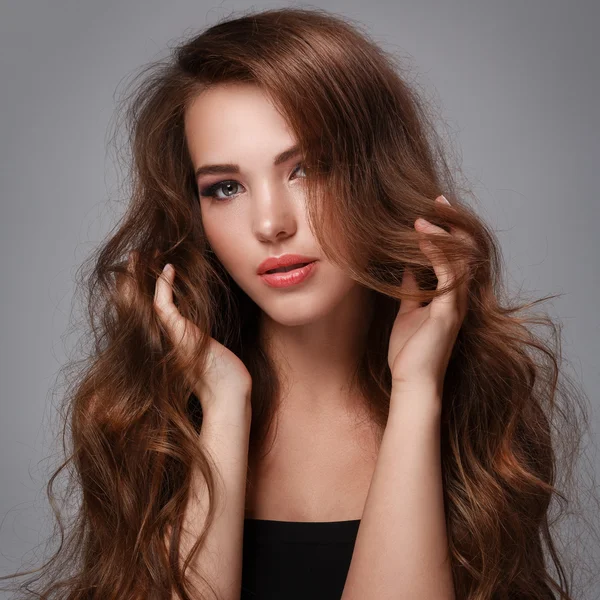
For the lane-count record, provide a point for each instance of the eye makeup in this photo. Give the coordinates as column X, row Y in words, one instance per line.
column 212, row 190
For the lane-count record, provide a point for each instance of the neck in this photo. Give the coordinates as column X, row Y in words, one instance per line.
column 317, row 361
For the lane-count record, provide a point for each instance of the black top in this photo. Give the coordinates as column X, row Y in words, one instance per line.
column 289, row 560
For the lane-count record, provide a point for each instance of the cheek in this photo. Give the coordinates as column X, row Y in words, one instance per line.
column 225, row 236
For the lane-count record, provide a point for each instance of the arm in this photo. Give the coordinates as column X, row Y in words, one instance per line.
column 224, row 435
column 401, row 549
column 223, row 385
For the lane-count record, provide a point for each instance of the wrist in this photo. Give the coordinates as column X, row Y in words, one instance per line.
column 416, row 399
column 225, row 408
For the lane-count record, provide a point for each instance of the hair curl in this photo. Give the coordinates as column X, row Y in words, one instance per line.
column 130, row 418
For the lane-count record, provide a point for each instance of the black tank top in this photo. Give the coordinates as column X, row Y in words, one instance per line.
column 289, row 560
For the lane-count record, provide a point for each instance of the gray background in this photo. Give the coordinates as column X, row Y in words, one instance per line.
column 517, row 83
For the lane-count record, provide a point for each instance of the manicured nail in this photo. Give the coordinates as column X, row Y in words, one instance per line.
column 444, row 199
column 167, row 269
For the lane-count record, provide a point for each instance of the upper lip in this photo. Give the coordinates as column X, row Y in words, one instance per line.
column 285, row 260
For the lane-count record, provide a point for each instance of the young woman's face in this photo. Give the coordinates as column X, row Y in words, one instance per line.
column 253, row 205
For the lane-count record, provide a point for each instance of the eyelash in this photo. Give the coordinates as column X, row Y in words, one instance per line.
column 211, row 190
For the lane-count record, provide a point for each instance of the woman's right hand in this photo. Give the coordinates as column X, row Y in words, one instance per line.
column 225, row 383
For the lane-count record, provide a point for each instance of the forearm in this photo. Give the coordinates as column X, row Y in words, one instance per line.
column 224, row 436
column 401, row 549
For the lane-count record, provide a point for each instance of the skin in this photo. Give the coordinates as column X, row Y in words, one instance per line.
column 315, row 334
column 317, row 473
column 315, row 331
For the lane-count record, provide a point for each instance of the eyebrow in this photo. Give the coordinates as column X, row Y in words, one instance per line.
column 233, row 168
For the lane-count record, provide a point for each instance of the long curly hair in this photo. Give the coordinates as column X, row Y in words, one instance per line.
column 512, row 420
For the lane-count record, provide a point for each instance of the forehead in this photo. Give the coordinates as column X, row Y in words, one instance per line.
column 230, row 117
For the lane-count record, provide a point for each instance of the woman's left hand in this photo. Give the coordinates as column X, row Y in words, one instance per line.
column 422, row 337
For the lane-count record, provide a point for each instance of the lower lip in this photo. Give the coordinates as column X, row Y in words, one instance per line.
column 294, row 277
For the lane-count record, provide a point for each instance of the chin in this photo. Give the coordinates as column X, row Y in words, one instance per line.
column 297, row 309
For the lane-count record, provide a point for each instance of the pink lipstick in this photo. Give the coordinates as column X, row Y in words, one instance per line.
column 292, row 275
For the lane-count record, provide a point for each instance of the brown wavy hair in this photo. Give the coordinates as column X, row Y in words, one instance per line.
column 512, row 419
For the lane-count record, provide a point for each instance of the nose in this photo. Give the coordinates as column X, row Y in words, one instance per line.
column 274, row 216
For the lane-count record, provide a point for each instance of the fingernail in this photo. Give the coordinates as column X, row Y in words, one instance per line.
column 167, row 269
column 445, row 199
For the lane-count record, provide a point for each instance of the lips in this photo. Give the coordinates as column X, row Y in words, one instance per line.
column 288, row 261
column 292, row 278
column 286, row 269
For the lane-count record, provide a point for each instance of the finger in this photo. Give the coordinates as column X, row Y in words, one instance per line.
column 409, row 284
column 456, row 231
column 443, row 200
column 432, row 251
column 441, row 267
column 462, row 267
column 167, row 311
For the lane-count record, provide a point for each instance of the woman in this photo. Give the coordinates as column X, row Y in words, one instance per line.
column 372, row 423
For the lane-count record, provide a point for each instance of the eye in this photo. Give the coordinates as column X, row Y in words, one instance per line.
column 212, row 190
column 301, row 166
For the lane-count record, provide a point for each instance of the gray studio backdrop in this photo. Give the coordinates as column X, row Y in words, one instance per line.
column 518, row 84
